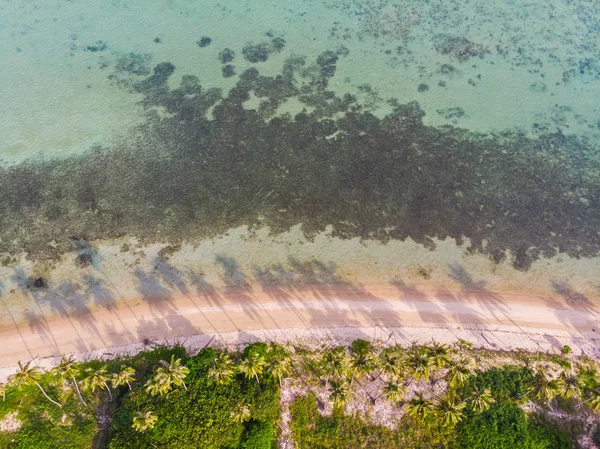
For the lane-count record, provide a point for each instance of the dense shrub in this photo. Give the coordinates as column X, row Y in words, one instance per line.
column 505, row 426
column 200, row 416
column 508, row 382
column 258, row 435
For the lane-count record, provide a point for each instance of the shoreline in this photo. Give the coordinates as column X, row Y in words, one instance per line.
column 314, row 314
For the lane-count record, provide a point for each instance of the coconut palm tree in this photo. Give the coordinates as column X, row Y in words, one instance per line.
column 594, row 401
column 124, row 376
column 462, row 345
column 420, row 407
column 458, row 372
column 543, row 388
column 176, row 372
column 439, row 354
column 339, row 392
column 420, row 363
column 482, row 400
column 240, row 413
column 570, row 385
column 143, row 421
column 252, row 365
column 390, row 361
column 222, row 370
column 451, row 410
column 29, row 375
column 362, row 358
column 158, row 384
column 97, row 378
column 69, row 369
column 281, row 365
column 167, row 375
column 393, row 392
column 335, row 363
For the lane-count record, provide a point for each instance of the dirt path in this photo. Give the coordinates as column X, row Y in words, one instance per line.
column 495, row 320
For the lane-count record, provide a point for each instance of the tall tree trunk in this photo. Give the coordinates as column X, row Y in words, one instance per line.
column 48, row 397
column 108, row 389
column 78, row 392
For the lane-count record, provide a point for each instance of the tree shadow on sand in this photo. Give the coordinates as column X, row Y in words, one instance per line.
column 573, row 308
column 323, row 299
column 160, row 301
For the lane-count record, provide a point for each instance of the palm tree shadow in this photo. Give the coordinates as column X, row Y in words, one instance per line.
column 237, row 285
column 432, row 313
column 99, row 292
column 575, row 309
column 316, row 281
column 477, row 290
column 45, row 334
column 172, row 276
column 160, row 302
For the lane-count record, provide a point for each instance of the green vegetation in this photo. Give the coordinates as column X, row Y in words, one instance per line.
column 231, row 400
column 205, row 412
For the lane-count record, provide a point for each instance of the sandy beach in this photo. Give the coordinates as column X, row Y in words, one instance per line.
column 237, row 317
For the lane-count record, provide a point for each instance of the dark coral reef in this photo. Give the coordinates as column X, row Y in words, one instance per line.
column 187, row 174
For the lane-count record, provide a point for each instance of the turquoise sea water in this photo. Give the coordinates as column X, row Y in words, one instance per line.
column 387, row 121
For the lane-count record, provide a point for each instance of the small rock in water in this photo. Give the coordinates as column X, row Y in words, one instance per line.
column 204, row 41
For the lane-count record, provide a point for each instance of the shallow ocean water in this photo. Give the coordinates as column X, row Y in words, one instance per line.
column 131, row 126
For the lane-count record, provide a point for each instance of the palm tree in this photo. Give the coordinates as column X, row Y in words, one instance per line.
column 158, row 384
column 167, row 375
column 280, row 367
column 543, row 388
column 438, row 354
column 335, row 363
column 570, row 385
column 482, row 400
column 29, row 375
column 253, row 365
column 458, row 372
column 594, row 401
column 124, row 376
column 361, row 357
column 240, row 413
column 462, row 345
column 97, row 378
column 390, row 362
column 420, row 408
column 339, row 392
column 69, row 369
column 176, row 372
column 451, row 410
column 222, row 369
column 420, row 363
column 393, row 392
column 143, row 421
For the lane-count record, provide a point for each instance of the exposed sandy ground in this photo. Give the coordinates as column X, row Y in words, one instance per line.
column 239, row 316
column 250, row 285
